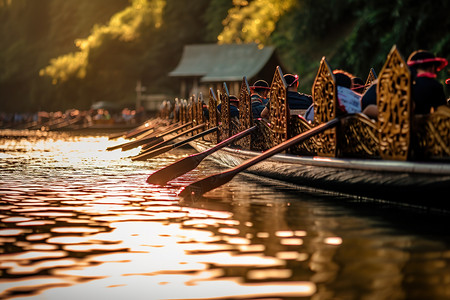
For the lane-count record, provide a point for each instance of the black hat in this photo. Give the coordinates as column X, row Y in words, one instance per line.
column 422, row 58
column 233, row 98
column 290, row 79
column 260, row 84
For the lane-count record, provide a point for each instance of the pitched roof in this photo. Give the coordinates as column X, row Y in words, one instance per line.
column 229, row 62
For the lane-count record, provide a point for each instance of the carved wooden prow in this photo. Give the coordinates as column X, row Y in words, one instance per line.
column 199, row 112
column 224, row 98
column 279, row 110
column 370, row 79
column 324, row 95
column 245, row 113
column 213, row 116
column 394, row 108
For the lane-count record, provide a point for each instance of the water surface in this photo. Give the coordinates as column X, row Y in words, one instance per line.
column 80, row 222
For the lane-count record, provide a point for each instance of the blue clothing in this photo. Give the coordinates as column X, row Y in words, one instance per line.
column 427, row 92
column 234, row 111
column 257, row 106
column 298, row 100
column 369, row 97
column 309, row 114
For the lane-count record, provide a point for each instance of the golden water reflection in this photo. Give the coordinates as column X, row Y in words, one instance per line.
column 79, row 221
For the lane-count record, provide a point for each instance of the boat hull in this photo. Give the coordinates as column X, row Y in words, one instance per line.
column 422, row 184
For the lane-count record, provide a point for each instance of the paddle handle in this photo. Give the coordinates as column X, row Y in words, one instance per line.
column 190, row 162
column 190, row 139
column 230, row 140
column 164, row 149
column 289, row 143
column 147, row 148
column 211, row 182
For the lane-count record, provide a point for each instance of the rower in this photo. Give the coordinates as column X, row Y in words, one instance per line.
column 427, row 92
column 298, row 102
column 234, row 107
column 348, row 99
column 259, row 98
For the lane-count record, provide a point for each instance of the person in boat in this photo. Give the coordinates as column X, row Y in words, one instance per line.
column 358, row 85
column 369, row 101
column 347, row 98
column 205, row 110
column 259, row 98
column 234, row 106
column 447, row 83
column 298, row 102
column 427, row 93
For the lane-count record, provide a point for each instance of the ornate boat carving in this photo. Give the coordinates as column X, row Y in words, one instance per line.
column 245, row 114
column 213, row 118
column 278, row 113
column 394, row 108
column 325, row 104
column 224, row 98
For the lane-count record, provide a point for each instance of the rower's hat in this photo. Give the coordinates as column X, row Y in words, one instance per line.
column 233, row 98
column 260, row 84
column 423, row 57
column 291, row 79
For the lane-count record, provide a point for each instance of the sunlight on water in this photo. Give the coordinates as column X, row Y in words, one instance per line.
column 79, row 221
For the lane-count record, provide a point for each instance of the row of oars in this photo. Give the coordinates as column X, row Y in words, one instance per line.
column 155, row 145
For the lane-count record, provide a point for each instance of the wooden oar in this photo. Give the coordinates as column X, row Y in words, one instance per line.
column 189, row 163
column 143, row 127
column 167, row 148
column 144, row 154
column 142, row 141
column 209, row 183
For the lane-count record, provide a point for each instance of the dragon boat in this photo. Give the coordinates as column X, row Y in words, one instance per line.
column 400, row 157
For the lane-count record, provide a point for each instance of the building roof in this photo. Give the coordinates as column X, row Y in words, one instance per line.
column 228, row 62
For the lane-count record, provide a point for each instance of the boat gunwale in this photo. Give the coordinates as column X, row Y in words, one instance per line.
column 376, row 165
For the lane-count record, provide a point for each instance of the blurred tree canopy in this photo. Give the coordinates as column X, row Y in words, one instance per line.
column 68, row 54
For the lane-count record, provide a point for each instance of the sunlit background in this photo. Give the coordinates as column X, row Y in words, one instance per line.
column 58, row 55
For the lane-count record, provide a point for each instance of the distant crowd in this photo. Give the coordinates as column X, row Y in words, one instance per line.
column 36, row 120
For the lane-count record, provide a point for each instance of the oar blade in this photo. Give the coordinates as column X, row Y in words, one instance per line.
column 184, row 165
column 198, row 188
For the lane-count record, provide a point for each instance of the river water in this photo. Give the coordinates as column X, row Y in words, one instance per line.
column 80, row 222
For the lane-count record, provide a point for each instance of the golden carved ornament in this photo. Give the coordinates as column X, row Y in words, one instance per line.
column 359, row 137
column 278, row 113
column 193, row 102
column 325, row 104
column 370, row 79
column 213, row 118
column 183, row 111
column 200, row 116
column 298, row 125
column 394, row 107
column 176, row 110
column 190, row 110
column 224, row 98
column 433, row 134
column 245, row 113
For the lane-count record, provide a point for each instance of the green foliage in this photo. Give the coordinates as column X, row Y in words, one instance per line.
column 253, row 21
column 33, row 32
column 61, row 54
column 214, row 15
